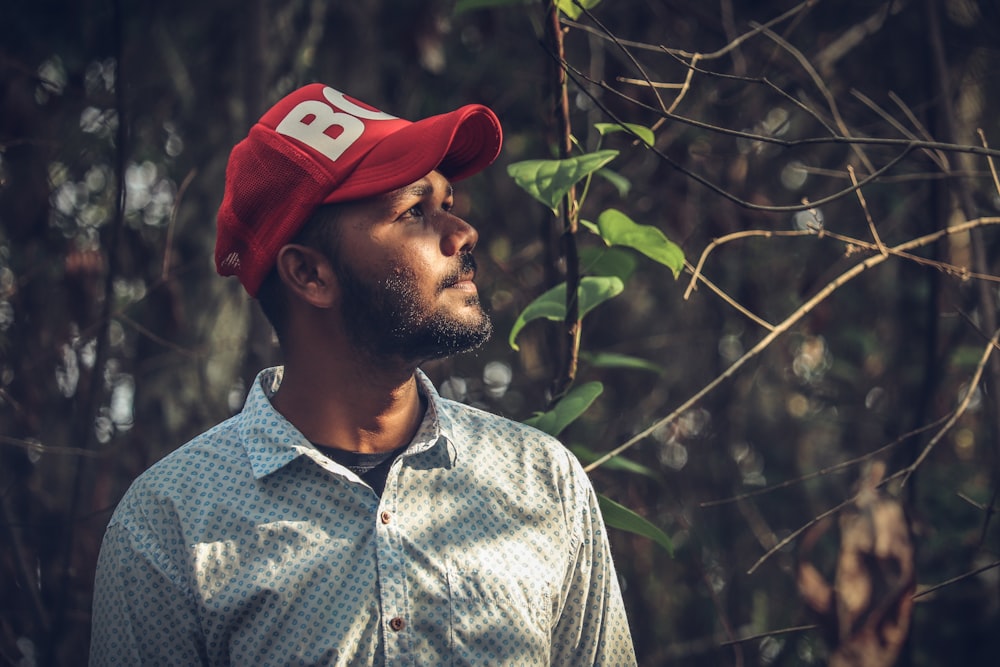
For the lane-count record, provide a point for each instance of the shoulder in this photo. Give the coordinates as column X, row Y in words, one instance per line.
column 490, row 437
column 475, row 421
column 183, row 472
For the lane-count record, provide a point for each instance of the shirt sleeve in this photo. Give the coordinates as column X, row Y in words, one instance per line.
column 141, row 613
column 592, row 628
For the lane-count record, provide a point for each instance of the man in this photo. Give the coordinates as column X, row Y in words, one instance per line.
column 349, row 515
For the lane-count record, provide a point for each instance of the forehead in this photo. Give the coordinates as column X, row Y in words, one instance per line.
column 431, row 186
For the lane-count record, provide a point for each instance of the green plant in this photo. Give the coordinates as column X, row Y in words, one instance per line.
column 555, row 183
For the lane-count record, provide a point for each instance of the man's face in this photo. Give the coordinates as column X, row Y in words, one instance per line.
column 405, row 267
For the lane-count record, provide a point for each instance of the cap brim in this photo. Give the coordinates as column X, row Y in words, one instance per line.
column 459, row 144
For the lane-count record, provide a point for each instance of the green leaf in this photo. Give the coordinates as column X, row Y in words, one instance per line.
column 618, row 229
column 644, row 133
column 620, row 183
column 594, row 290
column 607, row 261
column 612, row 360
column 615, row 463
column 621, row 517
column 572, row 10
column 470, row 5
column 569, row 407
column 548, row 181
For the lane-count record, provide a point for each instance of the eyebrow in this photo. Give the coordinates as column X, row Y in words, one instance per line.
column 422, row 189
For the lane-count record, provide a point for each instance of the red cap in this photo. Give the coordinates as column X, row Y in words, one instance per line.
column 318, row 146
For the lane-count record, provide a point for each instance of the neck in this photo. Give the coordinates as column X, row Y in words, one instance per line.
column 350, row 404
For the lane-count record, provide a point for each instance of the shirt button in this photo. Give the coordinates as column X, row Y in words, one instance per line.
column 397, row 624
column 384, row 517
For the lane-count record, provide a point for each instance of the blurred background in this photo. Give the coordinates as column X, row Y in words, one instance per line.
column 118, row 342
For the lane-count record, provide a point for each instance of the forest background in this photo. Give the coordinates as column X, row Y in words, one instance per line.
column 825, row 167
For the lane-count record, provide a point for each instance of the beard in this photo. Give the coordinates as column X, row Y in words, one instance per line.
column 390, row 318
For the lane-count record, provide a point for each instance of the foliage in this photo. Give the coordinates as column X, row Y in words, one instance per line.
column 567, row 410
column 593, row 291
column 552, row 182
column 826, row 168
column 549, row 181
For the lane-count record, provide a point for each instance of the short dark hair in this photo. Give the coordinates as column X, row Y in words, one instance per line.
column 321, row 232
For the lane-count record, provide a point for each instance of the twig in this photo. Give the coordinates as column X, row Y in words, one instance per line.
column 912, row 117
column 868, row 215
column 652, row 84
column 962, row 406
column 621, row 47
column 908, row 144
column 808, row 4
column 39, row 448
column 799, row 313
column 937, row 156
column 837, row 467
column 728, row 299
column 823, row 89
column 171, row 225
column 977, row 505
column 839, row 47
column 765, row 233
column 907, row 147
column 990, row 511
column 145, row 331
column 771, row 633
column 953, row 580
column 950, row 269
column 989, row 161
column 792, row 536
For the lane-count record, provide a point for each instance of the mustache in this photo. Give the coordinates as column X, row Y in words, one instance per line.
column 466, row 266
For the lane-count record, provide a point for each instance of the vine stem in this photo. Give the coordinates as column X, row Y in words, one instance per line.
column 569, row 210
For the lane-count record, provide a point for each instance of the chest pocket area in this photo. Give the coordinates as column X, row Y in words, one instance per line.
column 499, row 615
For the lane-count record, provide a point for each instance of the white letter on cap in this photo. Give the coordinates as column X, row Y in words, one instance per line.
column 338, row 100
column 314, row 133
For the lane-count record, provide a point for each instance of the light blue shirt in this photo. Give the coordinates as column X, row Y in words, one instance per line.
column 247, row 546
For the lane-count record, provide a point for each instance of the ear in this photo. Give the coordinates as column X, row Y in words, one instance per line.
column 307, row 273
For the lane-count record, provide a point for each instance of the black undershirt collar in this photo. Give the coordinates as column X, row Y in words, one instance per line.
column 372, row 468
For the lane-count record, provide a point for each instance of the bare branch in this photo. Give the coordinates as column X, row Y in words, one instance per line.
column 785, row 325
column 797, row 9
column 172, row 223
column 838, row 48
column 868, row 215
column 838, row 467
column 937, row 156
column 962, row 406
column 771, row 633
column 823, row 89
column 725, row 297
column 765, row 233
column 39, row 449
column 989, row 160
column 936, row 587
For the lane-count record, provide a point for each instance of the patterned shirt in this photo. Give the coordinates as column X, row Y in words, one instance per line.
column 247, row 546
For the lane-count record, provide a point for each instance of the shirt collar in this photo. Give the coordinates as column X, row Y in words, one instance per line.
column 272, row 442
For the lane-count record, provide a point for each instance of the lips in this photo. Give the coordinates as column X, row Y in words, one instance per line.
column 465, row 273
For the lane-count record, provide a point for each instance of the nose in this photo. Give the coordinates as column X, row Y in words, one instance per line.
column 459, row 236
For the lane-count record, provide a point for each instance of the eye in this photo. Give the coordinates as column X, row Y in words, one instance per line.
column 413, row 212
